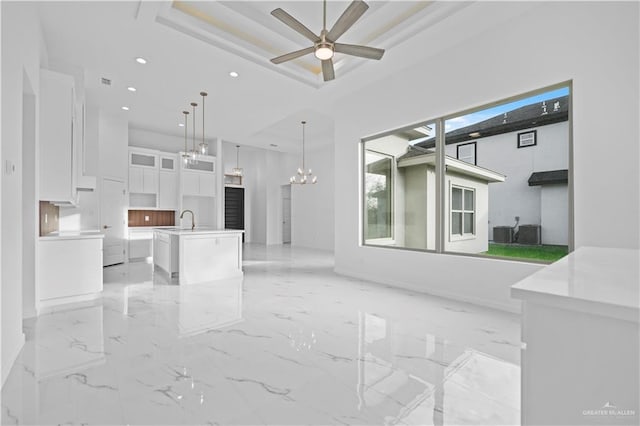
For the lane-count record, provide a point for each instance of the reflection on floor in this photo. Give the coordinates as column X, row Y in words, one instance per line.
column 291, row 343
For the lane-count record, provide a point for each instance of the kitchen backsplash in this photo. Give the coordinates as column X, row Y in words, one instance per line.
column 152, row 218
column 49, row 215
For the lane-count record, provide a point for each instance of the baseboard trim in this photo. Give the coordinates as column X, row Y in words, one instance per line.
column 430, row 291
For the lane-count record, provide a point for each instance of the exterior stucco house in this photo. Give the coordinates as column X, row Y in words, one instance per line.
column 529, row 145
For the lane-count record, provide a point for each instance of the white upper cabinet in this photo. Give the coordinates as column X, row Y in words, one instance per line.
column 84, row 181
column 168, row 182
column 143, row 172
column 198, row 178
column 143, row 158
column 143, row 181
column 57, row 154
column 168, row 162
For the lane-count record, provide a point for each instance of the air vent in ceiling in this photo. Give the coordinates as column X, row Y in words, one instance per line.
column 105, row 81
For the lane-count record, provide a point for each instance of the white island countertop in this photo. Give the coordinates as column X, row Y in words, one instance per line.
column 601, row 281
column 197, row 231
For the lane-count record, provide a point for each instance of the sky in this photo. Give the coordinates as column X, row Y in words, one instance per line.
column 475, row 117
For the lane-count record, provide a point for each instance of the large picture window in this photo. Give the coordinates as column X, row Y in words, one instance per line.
column 459, row 183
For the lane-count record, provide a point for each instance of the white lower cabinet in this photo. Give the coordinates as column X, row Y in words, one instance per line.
column 140, row 243
column 69, row 270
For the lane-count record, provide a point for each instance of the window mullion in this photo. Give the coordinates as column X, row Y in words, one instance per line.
column 441, row 207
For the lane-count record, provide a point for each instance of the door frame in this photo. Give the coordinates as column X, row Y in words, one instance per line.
column 102, row 215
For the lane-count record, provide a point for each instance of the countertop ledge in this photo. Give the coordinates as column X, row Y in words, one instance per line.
column 196, row 231
column 594, row 280
column 72, row 235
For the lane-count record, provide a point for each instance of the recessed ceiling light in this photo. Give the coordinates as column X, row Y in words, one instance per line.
column 126, row 108
column 141, row 60
column 131, row 89
column 233, row 74
column 181, row 124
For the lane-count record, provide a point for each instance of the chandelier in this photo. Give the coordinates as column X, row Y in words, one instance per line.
column 303, row 176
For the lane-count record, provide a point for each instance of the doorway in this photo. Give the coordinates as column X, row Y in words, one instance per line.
column 234, row 208
column 113, row 221
column 286, row 214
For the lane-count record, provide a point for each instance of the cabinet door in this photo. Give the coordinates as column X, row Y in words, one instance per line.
column 150, row 181
column 143, row 159
column 168, row 191
column 168, row 163
column 136, row 180
column 57, row 156
column 207, row 185
column 58, row 257
column 190, row 183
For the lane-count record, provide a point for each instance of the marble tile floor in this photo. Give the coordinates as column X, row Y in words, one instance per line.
column 291, row 343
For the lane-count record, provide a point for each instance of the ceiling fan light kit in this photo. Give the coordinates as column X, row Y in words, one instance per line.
column 324, row 46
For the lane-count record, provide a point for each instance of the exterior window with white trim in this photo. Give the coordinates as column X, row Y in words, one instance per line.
column 462, row 211
column 467, row 152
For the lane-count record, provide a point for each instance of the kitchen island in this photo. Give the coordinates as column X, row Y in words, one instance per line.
column 580, row 329
column 192, row 256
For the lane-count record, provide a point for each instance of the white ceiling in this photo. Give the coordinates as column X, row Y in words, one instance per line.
column 192, row 46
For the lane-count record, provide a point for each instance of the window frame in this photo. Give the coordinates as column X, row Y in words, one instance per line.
column 440, row 204
column 528, row 132
column 475, row 152
column 381, row 241
column 463, row 235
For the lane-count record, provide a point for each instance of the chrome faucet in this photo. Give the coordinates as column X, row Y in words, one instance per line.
column 193, row 223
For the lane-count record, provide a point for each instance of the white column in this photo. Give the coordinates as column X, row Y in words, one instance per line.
column 219, row 185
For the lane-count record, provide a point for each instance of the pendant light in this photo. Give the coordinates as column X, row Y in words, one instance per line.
column 204, row 148
column 193, row 151
column 303, row 174
column 237, row 171
column 185, row 153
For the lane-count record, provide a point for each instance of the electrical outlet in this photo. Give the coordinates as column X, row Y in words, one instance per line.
column 146, row 218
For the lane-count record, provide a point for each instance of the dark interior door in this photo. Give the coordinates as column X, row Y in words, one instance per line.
column 234, row 208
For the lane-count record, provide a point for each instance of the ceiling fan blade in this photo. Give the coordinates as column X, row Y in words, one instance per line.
column 292, row 55
column 361, row 51
column 347, row 19
column 294, row 24
column 327, row 70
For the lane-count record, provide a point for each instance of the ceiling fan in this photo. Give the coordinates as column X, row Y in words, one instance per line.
column 324, row 45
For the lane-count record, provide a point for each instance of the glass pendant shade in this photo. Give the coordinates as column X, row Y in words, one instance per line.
column 204, row 147
column 237, row 170
column 185, row 154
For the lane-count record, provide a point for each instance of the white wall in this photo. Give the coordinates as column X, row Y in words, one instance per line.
column 312, row 207
column 558, row 41
column 21, row 53
column 554, row 205
column 168, row 143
